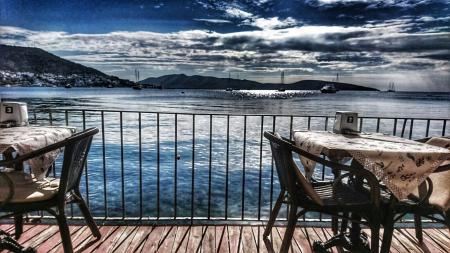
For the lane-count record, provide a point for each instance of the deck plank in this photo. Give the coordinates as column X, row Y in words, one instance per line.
column 152, row 240
column 126, row 239
column 444, row 244
column 257, row 235
column 74, row 233
column 110, row 240
column 209, row 239
column 43, row 237
column 220, row 238
column 105, row 231
column 195, row 238
column 280, row 234
column 222, row 244
column 181, row 239
column 233, row 238
column 137, row 239
column 167, row 241
column 427, row 245
column 248, row 241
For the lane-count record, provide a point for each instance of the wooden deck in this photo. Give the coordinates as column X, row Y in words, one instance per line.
column 45, row 238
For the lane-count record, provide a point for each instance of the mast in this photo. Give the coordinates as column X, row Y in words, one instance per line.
column 136, row 75
column 282, row 77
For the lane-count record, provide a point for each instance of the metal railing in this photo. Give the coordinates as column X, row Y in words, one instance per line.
column 149, row 166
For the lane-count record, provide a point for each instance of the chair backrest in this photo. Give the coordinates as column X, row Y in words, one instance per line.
column 290, row 177
column 76, row 149
column 440, row 196
column 5, row 195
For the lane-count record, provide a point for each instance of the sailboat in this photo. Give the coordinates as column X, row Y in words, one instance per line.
column 137, row 86
column 282, row 89
column 391, row 87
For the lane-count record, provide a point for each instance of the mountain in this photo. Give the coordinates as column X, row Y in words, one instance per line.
column 181, row 81
column 35, row 67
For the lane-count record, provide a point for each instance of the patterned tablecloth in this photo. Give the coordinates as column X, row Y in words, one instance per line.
column 399, row 163
column 26, row 139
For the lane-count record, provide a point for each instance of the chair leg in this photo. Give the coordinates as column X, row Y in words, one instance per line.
column 88, row 217
column 418, row 226
column 64, row 231
column 387, row 235
column 375, row 237
column 18, row 223
column 274, row 214
column 292, row 220
column 344, row 223
column 334, row 225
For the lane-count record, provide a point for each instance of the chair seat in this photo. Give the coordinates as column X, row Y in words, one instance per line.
column 27, row 189
column 344, row 195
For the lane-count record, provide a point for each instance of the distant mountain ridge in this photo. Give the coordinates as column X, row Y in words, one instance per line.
column 36, row 60
column 31, row 66
column 182, row 81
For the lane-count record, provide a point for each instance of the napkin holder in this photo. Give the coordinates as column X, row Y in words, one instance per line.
column 345, row 122
column 13, row 114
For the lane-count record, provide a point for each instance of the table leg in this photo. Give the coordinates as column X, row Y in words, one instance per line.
column 357, row 239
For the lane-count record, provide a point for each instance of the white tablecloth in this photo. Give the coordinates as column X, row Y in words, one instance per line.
column 399, row 163
column 26, row 139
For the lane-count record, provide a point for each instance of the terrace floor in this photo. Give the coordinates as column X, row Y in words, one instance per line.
column 45, row 238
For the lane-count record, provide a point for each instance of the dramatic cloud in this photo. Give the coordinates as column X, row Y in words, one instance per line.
column 257, row 39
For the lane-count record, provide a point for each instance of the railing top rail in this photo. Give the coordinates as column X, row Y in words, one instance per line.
column 224, row 114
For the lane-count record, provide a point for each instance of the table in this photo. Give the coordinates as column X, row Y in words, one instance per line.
column 21, row 140
column 401, row 164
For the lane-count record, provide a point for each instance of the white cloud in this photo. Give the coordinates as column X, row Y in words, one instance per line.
column 272, row 23
column 234, row 12
column 214, row 21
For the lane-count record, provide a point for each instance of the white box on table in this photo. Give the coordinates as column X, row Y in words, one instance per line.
column 345, row 122
column 14, row 112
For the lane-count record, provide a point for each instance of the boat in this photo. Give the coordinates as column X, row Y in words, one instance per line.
column 68, row 86
column 282, row 82
column 137, row 87
column 329, row 88
column 391, row 87
column 110, row 86
column 229, row 89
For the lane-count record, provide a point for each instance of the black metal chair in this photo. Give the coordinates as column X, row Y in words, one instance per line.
column 332, row 197
column 421, row 203
column 53, row 195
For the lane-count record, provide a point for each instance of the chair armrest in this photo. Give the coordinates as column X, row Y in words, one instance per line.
column 30, row 155
column 442, row 168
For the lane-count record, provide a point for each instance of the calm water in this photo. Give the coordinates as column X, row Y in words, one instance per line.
column 383, row 104
column 183, row 153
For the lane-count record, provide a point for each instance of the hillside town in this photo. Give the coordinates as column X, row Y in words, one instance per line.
column 8, row 78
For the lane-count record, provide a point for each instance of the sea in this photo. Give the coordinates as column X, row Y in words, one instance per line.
column 200, row 153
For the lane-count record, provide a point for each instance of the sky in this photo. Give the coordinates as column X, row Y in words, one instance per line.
column 366, row 42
